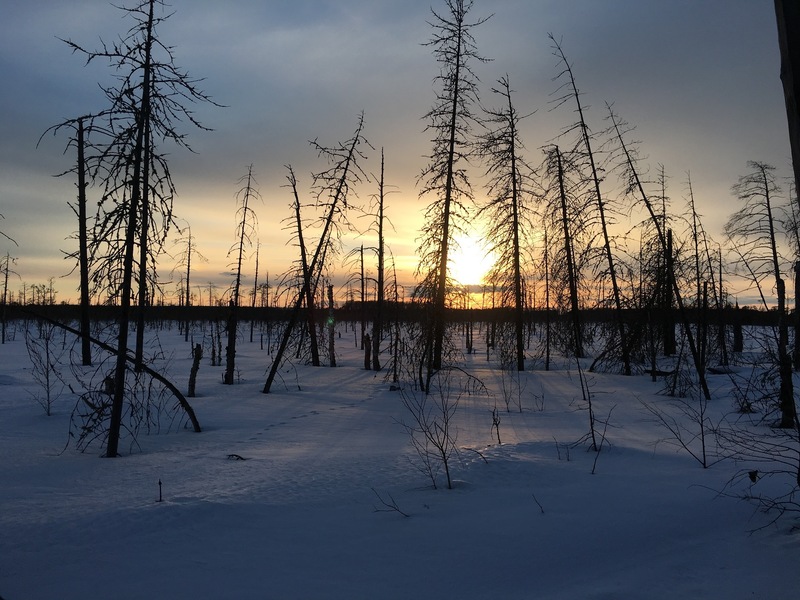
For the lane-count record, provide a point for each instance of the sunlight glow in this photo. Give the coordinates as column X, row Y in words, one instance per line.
column 469, row 263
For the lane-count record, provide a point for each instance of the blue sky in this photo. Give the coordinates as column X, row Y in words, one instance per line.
column 698, row 78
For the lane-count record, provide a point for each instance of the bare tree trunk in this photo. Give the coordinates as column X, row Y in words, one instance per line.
column 244, row 229
column 702, row 325
column 396, row 344
column 6, row 269
column 668, row 320
column 83, row 250
column 577, row 334
column 307, row 276
column 331, row 328
column 796, row 346
column 548, row 328
column 144, row 250
column 188, row 300
column 255, row 292
column 786, row 393
column 440, row 296
column 363, row 304
column 738, row 335
column 721, row 306
column 787, row 14
column 197, row 355
column 377, row 324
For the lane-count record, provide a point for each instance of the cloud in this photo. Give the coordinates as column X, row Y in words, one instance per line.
column 698, row 79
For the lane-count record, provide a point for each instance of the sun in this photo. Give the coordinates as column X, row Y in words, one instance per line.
column 469, row 262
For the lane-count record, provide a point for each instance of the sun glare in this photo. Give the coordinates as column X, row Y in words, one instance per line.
column 469, row 263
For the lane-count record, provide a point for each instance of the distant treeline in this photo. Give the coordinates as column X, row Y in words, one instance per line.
column 354, row 312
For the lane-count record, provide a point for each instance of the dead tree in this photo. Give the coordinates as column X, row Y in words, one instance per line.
column 445, row 178
column 306, row 275
column 752, row 230
column 571, row 94
column 635, row 186
column 335, row 184
column 81, row 128
column 567, row 223
column 788, row 18
column 245, row 230
column 508, row 208
column 255, row 291
column 188, row 254
column 150, row 98
column 380, row 282
column 6, row 270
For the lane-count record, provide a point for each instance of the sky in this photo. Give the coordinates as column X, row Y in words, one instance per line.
column 698, row 78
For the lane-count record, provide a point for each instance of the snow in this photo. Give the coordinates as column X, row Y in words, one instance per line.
column 303, row 516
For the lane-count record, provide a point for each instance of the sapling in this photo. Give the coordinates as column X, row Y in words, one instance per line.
column 46, row 354
column 431, row 428
column 496, row 424
column 389, row 505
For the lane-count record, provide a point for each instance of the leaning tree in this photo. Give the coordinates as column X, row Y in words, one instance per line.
column 628, row 164
column 569, row 93
column 334, row 187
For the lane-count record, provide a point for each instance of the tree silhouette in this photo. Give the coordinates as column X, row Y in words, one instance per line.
column 5, row 269
column 334, row 187
column 150, row 98
column 245, row 231
column 634, row 186
column 445, row 178
column 752, row 231
column 81, row 129
column 569, row 237
column 508, row 209
column 569, row 93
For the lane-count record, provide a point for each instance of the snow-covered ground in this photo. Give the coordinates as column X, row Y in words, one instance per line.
column 303, row 516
